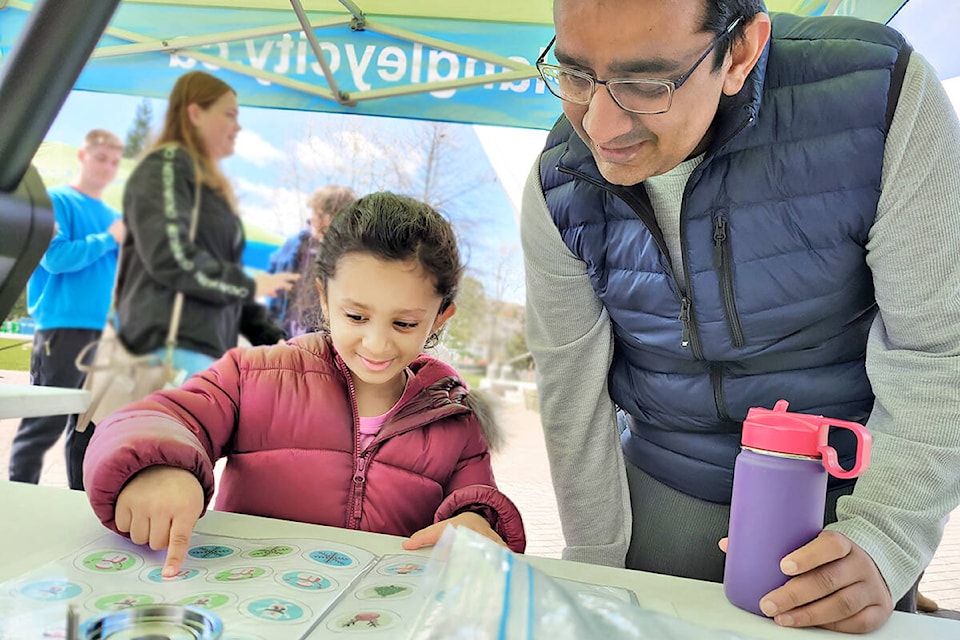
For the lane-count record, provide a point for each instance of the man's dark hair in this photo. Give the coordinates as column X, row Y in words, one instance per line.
column 720, row 13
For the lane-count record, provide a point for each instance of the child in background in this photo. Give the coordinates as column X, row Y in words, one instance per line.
column 354, row 428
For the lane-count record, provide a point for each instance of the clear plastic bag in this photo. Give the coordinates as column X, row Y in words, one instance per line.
column 478, row 590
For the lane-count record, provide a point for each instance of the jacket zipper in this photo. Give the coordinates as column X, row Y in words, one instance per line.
column 716, row 380
column 359, row 460
column 689, row 336
column 688, row 317
column 723, row 264
column 359, row 478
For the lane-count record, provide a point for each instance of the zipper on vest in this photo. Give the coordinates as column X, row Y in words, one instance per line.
column 723, row 264
column 685, row 321
column 716, row 381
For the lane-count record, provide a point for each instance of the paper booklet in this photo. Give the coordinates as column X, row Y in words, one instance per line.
column 261, row 589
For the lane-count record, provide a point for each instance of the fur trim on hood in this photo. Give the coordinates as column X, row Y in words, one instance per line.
column 483, row 407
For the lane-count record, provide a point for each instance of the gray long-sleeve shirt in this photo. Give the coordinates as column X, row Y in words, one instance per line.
column 897, row 510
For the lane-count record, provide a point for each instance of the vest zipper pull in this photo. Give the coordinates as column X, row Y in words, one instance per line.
column 685, row 319
column 719, row 237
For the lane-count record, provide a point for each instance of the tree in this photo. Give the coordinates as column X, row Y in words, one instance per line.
column 19, row 309
column 138, row 135
column 429, row 161
column 471, row 314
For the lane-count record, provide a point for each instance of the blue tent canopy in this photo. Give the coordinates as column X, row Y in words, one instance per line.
column 450, row 60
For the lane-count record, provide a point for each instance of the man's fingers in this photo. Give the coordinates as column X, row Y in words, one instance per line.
column 850, row 610
column 179, row 539
column 825, row 548
column 810, row 587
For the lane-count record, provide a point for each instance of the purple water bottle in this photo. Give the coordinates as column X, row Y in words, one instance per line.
column 779, row 494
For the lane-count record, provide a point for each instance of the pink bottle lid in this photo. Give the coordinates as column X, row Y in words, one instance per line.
column 779, row 431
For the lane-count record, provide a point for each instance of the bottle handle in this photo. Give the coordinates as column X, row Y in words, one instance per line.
column 830, row 459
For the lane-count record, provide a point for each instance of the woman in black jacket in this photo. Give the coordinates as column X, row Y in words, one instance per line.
column 158, row 258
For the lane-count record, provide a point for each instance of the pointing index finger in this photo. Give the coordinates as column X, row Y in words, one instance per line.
column 180, row 531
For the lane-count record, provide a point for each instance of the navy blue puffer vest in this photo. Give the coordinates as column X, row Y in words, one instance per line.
column 774, row 224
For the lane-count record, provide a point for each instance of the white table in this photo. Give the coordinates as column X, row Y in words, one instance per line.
column 28, row 401
column 42, row 524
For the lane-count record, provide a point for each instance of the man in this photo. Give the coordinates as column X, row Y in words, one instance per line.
column 299, row 309
column 68, row 297
column 729, row 214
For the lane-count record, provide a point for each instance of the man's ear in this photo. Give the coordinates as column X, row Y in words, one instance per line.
column 443, row 317
column 745, row 53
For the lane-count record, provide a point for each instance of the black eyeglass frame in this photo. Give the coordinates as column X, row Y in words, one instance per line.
column 671, row 85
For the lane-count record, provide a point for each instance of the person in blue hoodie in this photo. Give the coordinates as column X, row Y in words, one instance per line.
column 69, row 297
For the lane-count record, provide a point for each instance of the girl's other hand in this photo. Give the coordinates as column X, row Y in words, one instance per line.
column 428, row 537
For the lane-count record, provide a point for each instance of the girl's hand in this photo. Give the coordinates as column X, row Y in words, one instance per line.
column 160, row 507
column 428, row 537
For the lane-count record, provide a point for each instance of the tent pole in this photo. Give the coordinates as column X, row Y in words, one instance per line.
column 39, row 72
column 338, row 95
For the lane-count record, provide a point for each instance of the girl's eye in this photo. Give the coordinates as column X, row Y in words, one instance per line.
column 405, row 325
column 354, row 317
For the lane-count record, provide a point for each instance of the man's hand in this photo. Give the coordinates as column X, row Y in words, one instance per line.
column 836, row 585
column 428, row 537
column 160, row 507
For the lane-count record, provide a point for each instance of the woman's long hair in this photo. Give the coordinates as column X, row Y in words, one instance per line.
column 202, row 89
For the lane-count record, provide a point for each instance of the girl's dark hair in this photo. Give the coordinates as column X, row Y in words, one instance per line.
column 394, row 227
column 718, row 14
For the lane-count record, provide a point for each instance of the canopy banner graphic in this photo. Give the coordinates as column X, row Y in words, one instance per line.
column 451, row 60
column 449, row 70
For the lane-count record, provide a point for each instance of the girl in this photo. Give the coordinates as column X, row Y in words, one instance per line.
column 354, row 428
column 158, row 259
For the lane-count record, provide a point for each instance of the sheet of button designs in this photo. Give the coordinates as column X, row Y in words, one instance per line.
column 262, row 589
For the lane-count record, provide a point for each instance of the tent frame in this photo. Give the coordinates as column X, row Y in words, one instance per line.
column 355, row 18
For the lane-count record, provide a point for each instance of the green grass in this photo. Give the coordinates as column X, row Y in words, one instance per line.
column 14, row 357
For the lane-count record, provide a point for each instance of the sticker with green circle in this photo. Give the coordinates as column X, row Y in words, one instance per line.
column 239, row 574
column 109, row 561
column 206, row 600
column 119, row 601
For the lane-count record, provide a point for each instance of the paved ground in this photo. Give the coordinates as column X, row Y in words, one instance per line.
column 523, row 474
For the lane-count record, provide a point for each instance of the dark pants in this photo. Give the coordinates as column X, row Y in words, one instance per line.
column 53, row 364
column 676, row 534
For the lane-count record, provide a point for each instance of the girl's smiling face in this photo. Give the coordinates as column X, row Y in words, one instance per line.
column 380, row 314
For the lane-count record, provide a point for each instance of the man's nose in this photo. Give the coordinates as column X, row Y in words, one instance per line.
column 604, row 120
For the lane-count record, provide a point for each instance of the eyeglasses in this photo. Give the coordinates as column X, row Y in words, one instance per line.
column 636, row 95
